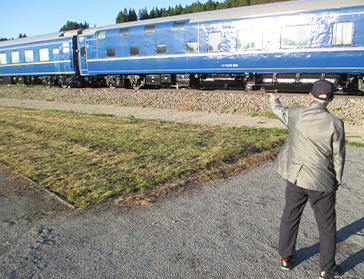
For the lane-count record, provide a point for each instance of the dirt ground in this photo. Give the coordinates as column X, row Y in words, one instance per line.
column 23, row 199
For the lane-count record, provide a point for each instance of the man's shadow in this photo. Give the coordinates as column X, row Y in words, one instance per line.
column 304, row 254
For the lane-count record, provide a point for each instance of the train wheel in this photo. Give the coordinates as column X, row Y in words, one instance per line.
column 136, row 81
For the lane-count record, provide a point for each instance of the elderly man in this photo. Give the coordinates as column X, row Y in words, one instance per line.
column 312, row 162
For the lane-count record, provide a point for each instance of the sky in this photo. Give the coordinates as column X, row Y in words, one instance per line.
column 40, row 17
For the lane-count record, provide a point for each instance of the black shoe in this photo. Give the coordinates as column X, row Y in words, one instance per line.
column 331, row 274
column 286, row 264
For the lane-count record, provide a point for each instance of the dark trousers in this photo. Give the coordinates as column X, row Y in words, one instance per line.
column 323, row 205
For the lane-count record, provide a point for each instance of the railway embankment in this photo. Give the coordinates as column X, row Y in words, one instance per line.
column 231, row 104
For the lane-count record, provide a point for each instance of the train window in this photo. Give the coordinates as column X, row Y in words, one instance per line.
column 101, row 35
column 83, row 51
column 249, row 39
column 192, row 47
column 55, row 51
column 214, row 43
column 15, row 57
column 179, row 25
column 149, row 29
column 134, row 51
column 28, row 54
column 296, row 36
column 110, row 52
column 161, row 49
column 3, row 58
column 124, row 32
column 343, row 34
column 44, row 54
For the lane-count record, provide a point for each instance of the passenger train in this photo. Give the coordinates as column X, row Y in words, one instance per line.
column 282, row 46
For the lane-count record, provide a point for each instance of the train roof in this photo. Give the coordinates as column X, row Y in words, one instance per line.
column 240, row 12
column 41, row 38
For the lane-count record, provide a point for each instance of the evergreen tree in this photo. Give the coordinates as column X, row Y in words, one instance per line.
column 132, row 16
column 72, row 25
column 178, row 10
column 143, row 14
column 153, row 14
column 122, row 16
column 164, row 12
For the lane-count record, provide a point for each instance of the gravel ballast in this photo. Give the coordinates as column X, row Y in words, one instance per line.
column 351, row 110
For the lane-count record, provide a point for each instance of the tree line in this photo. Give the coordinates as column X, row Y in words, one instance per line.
column 20, row 36
column 131, row 15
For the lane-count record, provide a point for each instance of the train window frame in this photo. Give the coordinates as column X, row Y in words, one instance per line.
column 110, row 52
column 3, row 59
column 43, row 54
column 134, row 51
column 149, row 29
column 296, row 36
column 83, row 51
column 179, row 25
column 28, row 56
column 124, row 32
column 343, row 33
column 161, row 49
column 15, row 57
column 101, row 35
column 214, row 41
column 249, row 39
column 192, row 47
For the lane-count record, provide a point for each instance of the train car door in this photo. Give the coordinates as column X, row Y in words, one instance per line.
column 82, row 56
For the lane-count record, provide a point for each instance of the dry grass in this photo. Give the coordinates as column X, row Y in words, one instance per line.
column 89, row 158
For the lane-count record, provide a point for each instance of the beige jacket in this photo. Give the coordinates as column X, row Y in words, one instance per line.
column 313, row 155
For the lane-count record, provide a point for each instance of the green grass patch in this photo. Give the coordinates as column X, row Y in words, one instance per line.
column 268, row 114
column 20, row 85
column 90, row 158
column 355, row 144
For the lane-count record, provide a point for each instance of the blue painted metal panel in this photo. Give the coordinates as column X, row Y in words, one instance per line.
column 320, row 56
column 60, row 54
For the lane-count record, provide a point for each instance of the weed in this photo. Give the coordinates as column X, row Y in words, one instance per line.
column 103, row 115
column 90, row 158
column 253, row 112
column 355, row 144
column 268, row 114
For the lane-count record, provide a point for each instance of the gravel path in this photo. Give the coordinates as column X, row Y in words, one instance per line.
column 220, row 229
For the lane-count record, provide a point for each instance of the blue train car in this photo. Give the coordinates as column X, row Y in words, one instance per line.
column 49, row 59
column 281, row 46
column 285, row 45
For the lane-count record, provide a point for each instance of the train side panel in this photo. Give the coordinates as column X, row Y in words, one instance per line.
column 47, row 56
column 300, row 42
